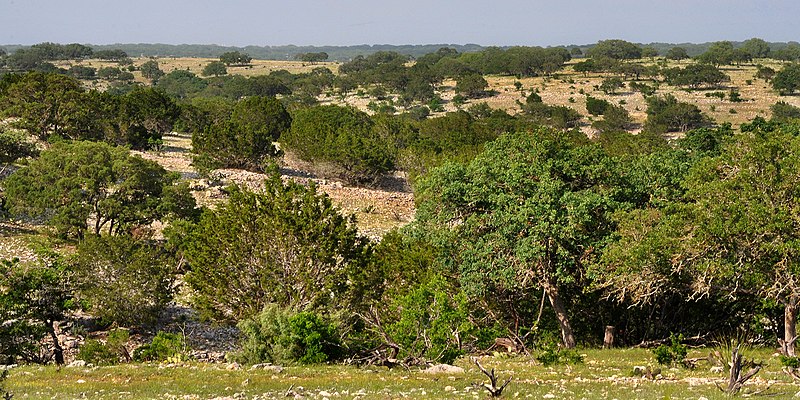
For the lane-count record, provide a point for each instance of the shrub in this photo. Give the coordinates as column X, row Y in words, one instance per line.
column 108, row 353
column 246, row 139
column 596, row 106
column 432, row 321
column 673, row 353
column 124, row 280
column 277, row 335
column 342, row 137
column 163, row 347
column 287, row 244
column 783, row 111
column 550, row 353
column 97, row 353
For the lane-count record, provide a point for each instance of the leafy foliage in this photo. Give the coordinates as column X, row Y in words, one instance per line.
column 73, row 182
column 164, row 346
column 344, row 138
column 787, row 80
column 32, row 299
column 522, row 208
column 287, row 245
column 432, row 323
column 124, row 280
column 666, row 113
column 280, row 335
column 245, row 139
column 671, row 354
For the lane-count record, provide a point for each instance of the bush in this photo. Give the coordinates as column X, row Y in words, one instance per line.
column 596, row 106
column 783, row 111
column 286, row 244
column 163, row 347
column 97, row 353
column 277, row 335
column 673, row 353
column 124, row 280
column 108, row 353
column 342, row 137
column 432, row 322
column 246, row 139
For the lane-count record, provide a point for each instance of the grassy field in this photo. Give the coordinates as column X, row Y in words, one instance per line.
column 605, row 374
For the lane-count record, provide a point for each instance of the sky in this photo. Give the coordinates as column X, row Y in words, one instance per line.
column 354, row 22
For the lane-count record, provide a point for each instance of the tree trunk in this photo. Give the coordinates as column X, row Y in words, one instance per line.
column 790, row 327
column 561, row 315
column 608, row 338
column 58, row 351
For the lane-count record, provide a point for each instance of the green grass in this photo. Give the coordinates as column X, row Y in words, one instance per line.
column 606, row 374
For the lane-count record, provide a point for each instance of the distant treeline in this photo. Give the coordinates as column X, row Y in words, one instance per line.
column 340, row 53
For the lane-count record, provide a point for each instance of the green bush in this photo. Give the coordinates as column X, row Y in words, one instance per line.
column 596, row 106
column 245, row 139
column 108, row 268
column 673, row 353
column 312, row 340
column 163, row 346
column 792, row 362
column 549, row 351
column 97, row 353
column 433, row 321
column 343, row 138
column 278, row 335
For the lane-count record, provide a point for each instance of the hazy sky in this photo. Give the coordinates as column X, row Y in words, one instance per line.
column 347, row 22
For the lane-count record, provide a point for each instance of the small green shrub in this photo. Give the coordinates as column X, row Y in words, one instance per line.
column 550, row 353
column 163, row 346
column 97, row 353
column 735, row 97
column 278, row 335
column 792, row 362
column 312, row 340
column 719, row 95
column 596, row 106
column 673, row 353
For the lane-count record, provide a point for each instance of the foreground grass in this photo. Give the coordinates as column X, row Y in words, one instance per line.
column 604, row 375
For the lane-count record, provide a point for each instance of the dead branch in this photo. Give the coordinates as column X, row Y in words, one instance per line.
column 494, row 391
column 736, row 380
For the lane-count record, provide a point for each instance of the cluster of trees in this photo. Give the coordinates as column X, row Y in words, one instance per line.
column 49, row 105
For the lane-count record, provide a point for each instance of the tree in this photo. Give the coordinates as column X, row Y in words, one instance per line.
column 73, row 184
column 719, row 53
column 616, row 49
column 756, row 48
column 781, row 112
column 734, row 234
column 42, row 102
column 524, row 214
column 286, row 245
column 181, row 84
column 668, row 114
column 145, row 115
column 677, row 53
column 787, row 80
column 695, row 76
column 610, row 85
column 649, row 52
column 471, row 85
column 235, row 58
column 151, row 71
column 33, row 298
column 214, row 68
column 246, row 138
column 344, row 138
column 13, row 146
column 125, row 281
column 311, row 57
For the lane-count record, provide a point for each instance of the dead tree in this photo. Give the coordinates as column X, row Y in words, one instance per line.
column 494, row 391
column 736, row 380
